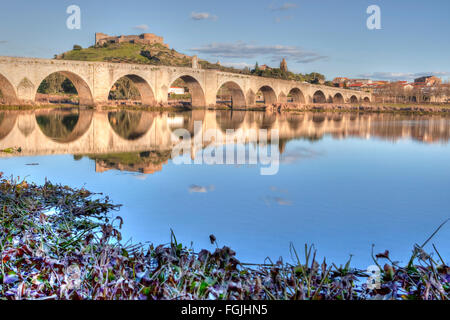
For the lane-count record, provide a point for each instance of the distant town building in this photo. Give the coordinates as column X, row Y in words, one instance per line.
column 428, row 80
column 356, row 85
column 340, row 79
column 145, row 38
column 362, row 81
column 264, row 67
column 176, row 90
column 351, row 83
column 340, row 82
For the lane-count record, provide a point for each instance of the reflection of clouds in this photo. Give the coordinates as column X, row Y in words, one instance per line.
column 141, row 176
column 275, row 189
column 201, row 189
column 282, row 202
column 269, row 200
column 298, row 154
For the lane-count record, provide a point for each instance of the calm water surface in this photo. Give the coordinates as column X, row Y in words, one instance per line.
column 345, row 180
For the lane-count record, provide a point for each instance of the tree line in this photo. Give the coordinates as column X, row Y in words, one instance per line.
column 397, row 93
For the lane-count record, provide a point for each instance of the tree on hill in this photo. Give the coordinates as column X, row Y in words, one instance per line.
column 256, row 67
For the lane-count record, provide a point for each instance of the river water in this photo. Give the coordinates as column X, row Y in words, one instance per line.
column 343, row 182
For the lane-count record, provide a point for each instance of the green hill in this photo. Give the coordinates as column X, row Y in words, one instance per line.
column 155, row 54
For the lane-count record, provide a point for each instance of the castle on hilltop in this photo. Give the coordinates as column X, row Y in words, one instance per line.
column 145, row 38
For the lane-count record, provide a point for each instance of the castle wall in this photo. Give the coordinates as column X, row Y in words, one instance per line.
column 145, row 38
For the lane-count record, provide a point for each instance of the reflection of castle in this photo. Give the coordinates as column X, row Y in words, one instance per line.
column 145, row 38
column 103, row 166
column 147, row 162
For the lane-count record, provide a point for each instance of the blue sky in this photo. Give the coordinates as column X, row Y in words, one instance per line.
column 325, row 36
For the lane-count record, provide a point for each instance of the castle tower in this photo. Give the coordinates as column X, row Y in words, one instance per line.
column 283, row 65
column 195, row 62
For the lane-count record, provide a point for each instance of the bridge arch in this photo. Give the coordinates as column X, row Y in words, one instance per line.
column 130, row 125
column 80, row 84
column 186, row 120
column 319, row 97
column 263, row 120
column 338, row 98
column 227, row 120
column 353, row 99
column 236, row 93
column 195, row 89
column 366, row 99
column 128, row 81
column 8, row 93
column 269, row 95
column 64, row 126
column 297, row 95
column 7, row 122
column 295, row 121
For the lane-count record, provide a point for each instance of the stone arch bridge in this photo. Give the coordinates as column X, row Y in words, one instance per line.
column 20, row 79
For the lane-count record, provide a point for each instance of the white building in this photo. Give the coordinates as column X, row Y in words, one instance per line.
column 176, row 90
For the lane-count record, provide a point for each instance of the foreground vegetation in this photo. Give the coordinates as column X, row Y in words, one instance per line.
column 62, row 243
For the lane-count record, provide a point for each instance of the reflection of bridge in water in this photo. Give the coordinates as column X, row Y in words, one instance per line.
column 149, row 135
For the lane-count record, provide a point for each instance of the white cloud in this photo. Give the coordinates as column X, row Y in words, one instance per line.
column 237, row 65
column 275, row 189
column 284, row 7
column 284, row 18
column 282, row 201
column 142, row 27
column 203, row 16
column 245, row 50
column 395, row 76
column 268, row 200
column 298, row 154
column 200, row 189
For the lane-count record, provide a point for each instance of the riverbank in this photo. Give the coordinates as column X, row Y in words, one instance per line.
column 289, row 107
column 62, row 243
column 374, row 108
